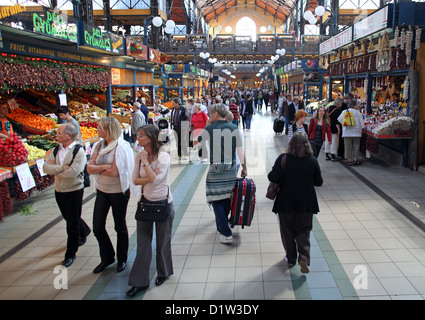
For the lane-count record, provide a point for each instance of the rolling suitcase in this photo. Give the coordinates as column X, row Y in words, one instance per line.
column 242, row 203
column 278, row 125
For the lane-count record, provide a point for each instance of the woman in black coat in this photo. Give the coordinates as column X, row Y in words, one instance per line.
column 296, row 200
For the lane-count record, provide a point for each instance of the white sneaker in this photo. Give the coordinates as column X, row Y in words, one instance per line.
column 226, row 240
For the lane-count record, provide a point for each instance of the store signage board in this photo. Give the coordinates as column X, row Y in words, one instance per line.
column 371, row 24
column 55, row 25
column 136, row 48
column 25, row 177
column 40, row 20
column 337, row 41
column 95, row 37
column 8, row 11
column 115, row 76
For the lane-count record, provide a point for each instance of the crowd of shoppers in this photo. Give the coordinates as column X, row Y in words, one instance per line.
column 117, row 172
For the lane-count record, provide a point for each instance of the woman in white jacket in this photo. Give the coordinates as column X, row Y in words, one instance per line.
column 352, row 134
column 111, row 166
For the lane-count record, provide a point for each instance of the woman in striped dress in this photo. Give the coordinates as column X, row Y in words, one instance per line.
column 224, row 140
column 298, row 124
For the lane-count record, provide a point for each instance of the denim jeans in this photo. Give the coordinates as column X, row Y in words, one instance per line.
column 221, row 211
column 248, row 121
column 286, row 123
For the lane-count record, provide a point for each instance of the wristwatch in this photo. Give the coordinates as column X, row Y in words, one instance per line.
column 146, row 164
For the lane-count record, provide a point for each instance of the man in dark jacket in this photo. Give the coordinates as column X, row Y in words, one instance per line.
column 180, row 124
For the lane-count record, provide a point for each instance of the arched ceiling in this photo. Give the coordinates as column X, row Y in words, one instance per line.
column 278, row 9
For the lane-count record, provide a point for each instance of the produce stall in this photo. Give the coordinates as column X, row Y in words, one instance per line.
column 376, row 59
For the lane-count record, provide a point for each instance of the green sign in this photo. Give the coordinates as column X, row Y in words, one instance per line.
column 95, row 38
column 55, row 25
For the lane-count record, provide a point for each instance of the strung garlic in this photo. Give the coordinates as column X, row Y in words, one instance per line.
column 418, row 37
column 409, row 40
column 402, row 39
column 396, row 36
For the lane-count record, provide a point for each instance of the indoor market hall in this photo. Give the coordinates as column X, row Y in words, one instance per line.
column 367, row 242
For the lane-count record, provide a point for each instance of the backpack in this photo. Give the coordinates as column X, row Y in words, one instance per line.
column 74, row 153
column 348, row 120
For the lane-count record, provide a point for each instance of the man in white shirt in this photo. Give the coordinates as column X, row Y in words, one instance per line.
column 69, row 187
column 138, row 120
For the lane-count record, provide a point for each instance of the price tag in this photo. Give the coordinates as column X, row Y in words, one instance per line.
column 88, row 148
column 62, row 99
column 25, row 177
column 12, row 104
column 40, row 163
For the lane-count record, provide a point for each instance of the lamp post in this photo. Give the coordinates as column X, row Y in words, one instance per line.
column 157, row 22
column 76, row 8
column 312, row 16
column 282, row 52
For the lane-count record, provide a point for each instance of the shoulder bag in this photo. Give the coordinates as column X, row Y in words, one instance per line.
column 152, row 210
column 273, row 188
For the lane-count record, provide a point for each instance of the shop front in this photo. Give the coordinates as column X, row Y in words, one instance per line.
column 376, row 60
column 303, row 79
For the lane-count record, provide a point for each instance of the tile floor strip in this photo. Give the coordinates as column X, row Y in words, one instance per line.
column 327, row 279
column 37, row 234
column 185, row 184
column 417, row 222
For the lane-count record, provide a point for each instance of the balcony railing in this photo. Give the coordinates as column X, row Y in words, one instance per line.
column 238, row 45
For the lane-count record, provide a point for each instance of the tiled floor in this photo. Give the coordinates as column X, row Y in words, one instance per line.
column 363, row 247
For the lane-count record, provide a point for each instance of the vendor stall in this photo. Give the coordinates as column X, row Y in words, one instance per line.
column 303, row 78
column 374, row 59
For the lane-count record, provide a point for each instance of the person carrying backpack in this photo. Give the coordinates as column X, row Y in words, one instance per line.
column 352, row 125
column 68, row 169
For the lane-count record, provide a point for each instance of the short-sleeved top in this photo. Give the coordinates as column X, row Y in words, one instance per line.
column 223, row 138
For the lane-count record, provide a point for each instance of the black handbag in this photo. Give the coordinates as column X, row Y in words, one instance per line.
column 273, row 188
column 152, row 210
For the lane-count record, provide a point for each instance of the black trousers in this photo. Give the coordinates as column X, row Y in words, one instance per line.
column 70, row 204
column 182, row 145
column 118, row 202
column 295, row 231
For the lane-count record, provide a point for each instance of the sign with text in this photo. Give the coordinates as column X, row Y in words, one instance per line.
column 337, row 41
column 25, row 177
column 371, row 24
column 95, row 37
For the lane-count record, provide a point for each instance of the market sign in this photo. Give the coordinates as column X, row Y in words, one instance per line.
column 337, row 41
column 8, row 11
column 115, row 76
column 55, row 25
column 136, row 48
column 174, row 68
column 309, row 64
column 371, row 24
column 96, row 38
column 154, row 55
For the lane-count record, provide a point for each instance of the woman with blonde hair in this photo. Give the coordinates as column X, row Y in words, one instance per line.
column 318, row 129
column 296, row 200
column 111, row 166
column 298, row 124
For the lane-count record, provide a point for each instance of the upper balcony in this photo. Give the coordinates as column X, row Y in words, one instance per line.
column 243, row 47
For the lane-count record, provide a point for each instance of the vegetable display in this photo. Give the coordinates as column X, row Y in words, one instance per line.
column 12, row 151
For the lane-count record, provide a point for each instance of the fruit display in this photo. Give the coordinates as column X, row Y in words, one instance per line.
column 89, row 124
column 45, row 142
column 12, row 151
column 34, row 152
column 84, row 111
column 87, row 133
column 168, row 104
column 31, row 120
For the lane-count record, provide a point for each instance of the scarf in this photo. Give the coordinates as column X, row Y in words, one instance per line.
column 111, row 146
